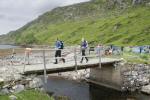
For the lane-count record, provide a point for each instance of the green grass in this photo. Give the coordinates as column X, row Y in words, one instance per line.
column 95, row 22
column 131, row 57
column 137, row 58
column 133, row 28
column 29, row 95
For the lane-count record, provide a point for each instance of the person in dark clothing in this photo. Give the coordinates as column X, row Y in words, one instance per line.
column 58, row 46
column 141, row 48
column 62, row 47
column 122, row 48
column 84, row 46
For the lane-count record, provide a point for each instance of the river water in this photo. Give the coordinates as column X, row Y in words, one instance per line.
column 85, row 91
column 8, row 46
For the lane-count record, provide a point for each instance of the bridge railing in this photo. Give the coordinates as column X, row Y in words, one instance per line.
column 71, row 55
column 23, row 56
column 17, row 56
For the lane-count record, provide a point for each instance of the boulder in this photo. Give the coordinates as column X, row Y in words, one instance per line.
column 146, row 89
column 148, row 4
column 1, row 80
column 18, row 88
column 4, row 91
column 17, row 76
column 12, row 97
column 36, row 83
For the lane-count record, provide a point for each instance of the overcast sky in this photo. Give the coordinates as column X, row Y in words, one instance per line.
column 16, row 13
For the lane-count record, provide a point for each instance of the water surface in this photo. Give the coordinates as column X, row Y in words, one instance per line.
column 84, row 91
column 8, row 46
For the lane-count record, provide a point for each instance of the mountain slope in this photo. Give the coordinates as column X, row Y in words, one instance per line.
column 99, row 21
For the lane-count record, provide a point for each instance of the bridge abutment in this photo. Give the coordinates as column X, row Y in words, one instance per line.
column 107, row 76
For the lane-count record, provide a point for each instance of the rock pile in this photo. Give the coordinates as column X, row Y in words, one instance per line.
column 146, row 89
column 9, row 73
column 135, row 76
column 21, row 85
column 77, row 76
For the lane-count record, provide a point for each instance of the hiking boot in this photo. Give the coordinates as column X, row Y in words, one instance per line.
column 63, row 60
column 87, row 61
column 55, row 63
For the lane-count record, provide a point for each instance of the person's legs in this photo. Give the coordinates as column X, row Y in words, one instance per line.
column 86, row 59
column 56, row 55
column 59, row 53
column 62, row 58
column 83, row 54
column 81, row 60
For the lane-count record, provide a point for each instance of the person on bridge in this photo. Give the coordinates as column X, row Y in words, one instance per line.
column 59, row 46
column 84, row 46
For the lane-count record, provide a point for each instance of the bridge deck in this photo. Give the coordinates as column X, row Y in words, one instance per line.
column 62, row 67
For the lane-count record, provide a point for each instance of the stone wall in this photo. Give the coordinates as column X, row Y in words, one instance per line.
column 135, row 76
column 126, row 77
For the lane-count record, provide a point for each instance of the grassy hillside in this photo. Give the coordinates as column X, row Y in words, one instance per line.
column 98, row 21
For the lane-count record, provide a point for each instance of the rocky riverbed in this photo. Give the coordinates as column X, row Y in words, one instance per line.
column 135, row 76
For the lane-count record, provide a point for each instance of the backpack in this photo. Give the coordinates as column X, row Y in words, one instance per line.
column 61, row 45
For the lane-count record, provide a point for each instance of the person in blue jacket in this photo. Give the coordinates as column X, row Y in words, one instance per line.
column 58, row 46
column 84, row 46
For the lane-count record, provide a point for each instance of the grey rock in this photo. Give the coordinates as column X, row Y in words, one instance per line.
column 42, row 89
column 18, row 88
column 12, row 97
column 17, row 76
column 4, row 91
column 8, row 73
column 146, row 89
column 36, row 83
column 127, row 73
column 1, row 80
column 134, row 73
column 135, row 76
column 148, row 4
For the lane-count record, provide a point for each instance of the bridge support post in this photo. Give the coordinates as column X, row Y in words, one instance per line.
column 99, row 55
column 44, row 62
column 24, row 62
column 75, row 59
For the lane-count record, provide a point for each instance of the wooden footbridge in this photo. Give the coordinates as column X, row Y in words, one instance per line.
column 40, row 61
column 63, row 67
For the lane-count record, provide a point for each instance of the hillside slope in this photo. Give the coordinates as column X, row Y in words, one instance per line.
column 99, row 21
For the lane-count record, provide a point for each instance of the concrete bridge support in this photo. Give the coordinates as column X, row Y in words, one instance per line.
column 107, row 76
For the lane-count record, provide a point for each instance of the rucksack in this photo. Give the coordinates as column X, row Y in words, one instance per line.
column 61, row 45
